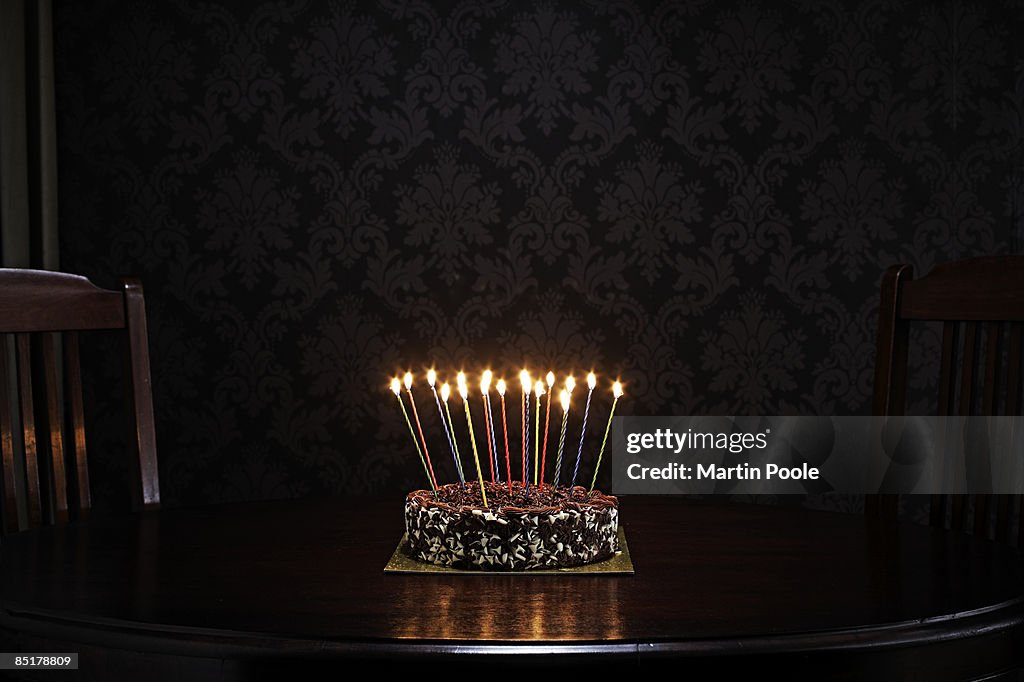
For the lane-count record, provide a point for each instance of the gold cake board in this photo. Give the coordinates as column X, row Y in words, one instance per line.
column 620, row 564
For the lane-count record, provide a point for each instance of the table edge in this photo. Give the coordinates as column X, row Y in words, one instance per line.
column 1005, row 618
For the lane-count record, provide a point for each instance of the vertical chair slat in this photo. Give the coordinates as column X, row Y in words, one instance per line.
column 965, row 407
column 28, row 424
column 993, row 351
column 990, row 391
column 142, row 393
column 1012, row 407
column 947, row 389
column 73, row 386
column 947, row 375
column 966, row 402
column 10, row 508
column 1013, row 362
column 55, row 419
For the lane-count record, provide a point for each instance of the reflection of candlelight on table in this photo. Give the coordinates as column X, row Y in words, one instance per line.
column 452, row 604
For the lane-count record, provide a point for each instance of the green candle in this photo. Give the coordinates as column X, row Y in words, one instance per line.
column 464, row 392
column 617, row 392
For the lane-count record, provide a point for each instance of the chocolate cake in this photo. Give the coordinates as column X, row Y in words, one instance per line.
column 517, row 531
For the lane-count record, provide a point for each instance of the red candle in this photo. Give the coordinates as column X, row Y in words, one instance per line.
column 504, row 430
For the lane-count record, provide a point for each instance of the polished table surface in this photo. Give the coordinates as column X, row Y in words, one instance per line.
column 713, row 582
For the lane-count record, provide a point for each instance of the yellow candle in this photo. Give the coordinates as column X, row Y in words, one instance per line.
column 617, row 392
column 464, row 392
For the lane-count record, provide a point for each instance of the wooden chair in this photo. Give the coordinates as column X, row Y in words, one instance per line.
column 51, row 474
column 980, row 305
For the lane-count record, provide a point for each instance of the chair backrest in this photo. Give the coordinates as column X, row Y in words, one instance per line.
column 40, row 312
column 979, row 303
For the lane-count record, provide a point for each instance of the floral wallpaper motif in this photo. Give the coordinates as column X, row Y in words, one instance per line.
column 699, row 197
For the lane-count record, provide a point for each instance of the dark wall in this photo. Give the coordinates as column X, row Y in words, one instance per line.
column 700, row 197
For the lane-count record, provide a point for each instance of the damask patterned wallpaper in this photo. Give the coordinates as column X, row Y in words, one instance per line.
column 699, row 197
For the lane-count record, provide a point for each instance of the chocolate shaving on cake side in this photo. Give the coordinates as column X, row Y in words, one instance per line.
column 546, row 528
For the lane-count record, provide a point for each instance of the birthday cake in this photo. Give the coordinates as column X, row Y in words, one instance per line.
column 520, row 529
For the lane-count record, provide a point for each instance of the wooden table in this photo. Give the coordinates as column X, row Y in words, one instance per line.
column 227, row 592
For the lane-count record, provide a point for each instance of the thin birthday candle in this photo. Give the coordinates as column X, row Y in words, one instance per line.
column 564, row 396
column 416, row 416
column 547, row 420
column 617, row 392
column 432, row 380
column 494, row 437
column 504, row 430
column 591, row 382
column 472, row 439
column 485, row 386
column 446, row 391
column 396, row 388
column 524, row 379
column 538, row 388
column 490, row 420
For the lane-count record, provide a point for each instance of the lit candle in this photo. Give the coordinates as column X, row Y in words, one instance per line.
column 524, row 379
column 464, row 392
column 538, row 389
column 550, row 378
column 485, row 386
column 446, row 391
column 494, row 438
column 396, row 388
column 617, row 392
column 504, row 430
column 591, row 382
column 564, row 396
column 432, row 380
column 416, row 416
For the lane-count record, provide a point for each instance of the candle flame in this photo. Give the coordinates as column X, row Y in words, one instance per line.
column 463, row 392
column 460, row 381
column 524, row 379
column 501, row 387
column 591, row 380
column 538, row 388
column 485, row 381
column 617, row 389
column 570, row 383
column 446, row 391
column 396, row 386
column 551, row 379
column 564, row 397
column 431, row 377
column 408, row 381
